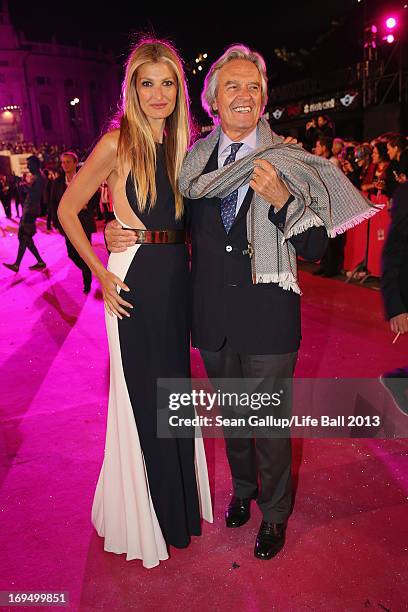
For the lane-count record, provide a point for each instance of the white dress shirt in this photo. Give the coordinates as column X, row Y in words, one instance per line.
column 224, row 149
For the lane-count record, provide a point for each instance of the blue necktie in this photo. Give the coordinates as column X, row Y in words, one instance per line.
column 229, row 204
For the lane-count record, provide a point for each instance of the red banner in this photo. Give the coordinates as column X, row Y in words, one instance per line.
column 356, row 241
column 378, row 232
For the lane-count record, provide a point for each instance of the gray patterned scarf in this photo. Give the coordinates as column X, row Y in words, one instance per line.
column 323, row 196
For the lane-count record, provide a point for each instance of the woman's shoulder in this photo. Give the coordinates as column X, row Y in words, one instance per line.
column 110, row 140
column 106, row 149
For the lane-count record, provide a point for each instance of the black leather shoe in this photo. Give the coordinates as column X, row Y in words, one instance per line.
column 238, row 511
column 270, row 540
column 13, row 266
column 40, row 265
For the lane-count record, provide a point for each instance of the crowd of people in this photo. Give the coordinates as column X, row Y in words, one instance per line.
column 38, row 192
column 376, row 168
column 49, row 154
column 379, row 165
column 14, row 188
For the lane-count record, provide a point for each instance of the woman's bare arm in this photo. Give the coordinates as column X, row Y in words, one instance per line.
column 85, row 183
column 99, row 165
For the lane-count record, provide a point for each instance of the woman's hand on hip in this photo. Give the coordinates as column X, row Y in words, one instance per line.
column 114, row 303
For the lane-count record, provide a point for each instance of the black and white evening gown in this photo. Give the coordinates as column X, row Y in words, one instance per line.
column 151, row 491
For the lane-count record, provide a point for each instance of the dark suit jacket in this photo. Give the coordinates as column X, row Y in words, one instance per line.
column 32, row 202
column 256, row 319
column 31, row 207
column 394, row 281
column 86, row 215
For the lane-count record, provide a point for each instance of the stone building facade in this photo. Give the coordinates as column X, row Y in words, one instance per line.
column 51, row 92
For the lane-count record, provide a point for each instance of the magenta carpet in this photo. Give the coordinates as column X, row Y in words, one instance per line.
column 347, row 539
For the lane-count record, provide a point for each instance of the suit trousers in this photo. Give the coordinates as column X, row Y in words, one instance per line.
column 78, row 261
column 260, row 466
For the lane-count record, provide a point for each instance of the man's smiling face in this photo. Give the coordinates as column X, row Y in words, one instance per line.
column 238, row 99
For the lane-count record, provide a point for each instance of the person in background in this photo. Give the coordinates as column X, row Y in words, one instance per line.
column 311, row 134
column 364, row 167
column 331, row 263
column 398, row 169
column 22, row 186
column 105, row 203
column 381, row 161
column 337, row 149
column 69, row 163
column 324, row 126
column 348, row 164
column 323, row 148
column 15, row 192
column 31, row 211
column 5, row 195
column 394, row 289
column 46, row 198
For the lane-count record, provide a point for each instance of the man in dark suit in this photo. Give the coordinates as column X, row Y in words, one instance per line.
column 244, row 330
column 69, row 163
column 394, row 288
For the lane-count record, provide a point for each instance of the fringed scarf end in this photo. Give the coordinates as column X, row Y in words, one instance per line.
column 340, row 229
column 303, row 226
column 284, row 280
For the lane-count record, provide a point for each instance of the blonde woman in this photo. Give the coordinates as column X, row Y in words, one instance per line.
column 150, row 490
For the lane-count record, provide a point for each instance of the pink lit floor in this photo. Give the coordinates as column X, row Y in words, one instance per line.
column 347, row 538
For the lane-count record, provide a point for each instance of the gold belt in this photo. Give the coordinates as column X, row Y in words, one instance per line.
column 159, row 236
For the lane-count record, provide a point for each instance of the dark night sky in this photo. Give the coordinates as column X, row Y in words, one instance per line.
column 330, row 31
column 288, row 23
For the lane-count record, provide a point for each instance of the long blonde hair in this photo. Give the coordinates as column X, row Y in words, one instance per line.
column 136, row 144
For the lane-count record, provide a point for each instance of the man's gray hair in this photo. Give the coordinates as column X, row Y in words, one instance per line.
column 211, row 80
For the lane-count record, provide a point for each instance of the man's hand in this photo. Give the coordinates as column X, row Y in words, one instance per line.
column 290, row 140
column 117, row 238
column 399, row 324
column 266, row 183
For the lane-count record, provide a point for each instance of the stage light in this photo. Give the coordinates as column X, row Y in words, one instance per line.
column 374, row 29
column 10, row 107
column 205, row 55
column 391, row 22
column 200, row 67
column 390, row 30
